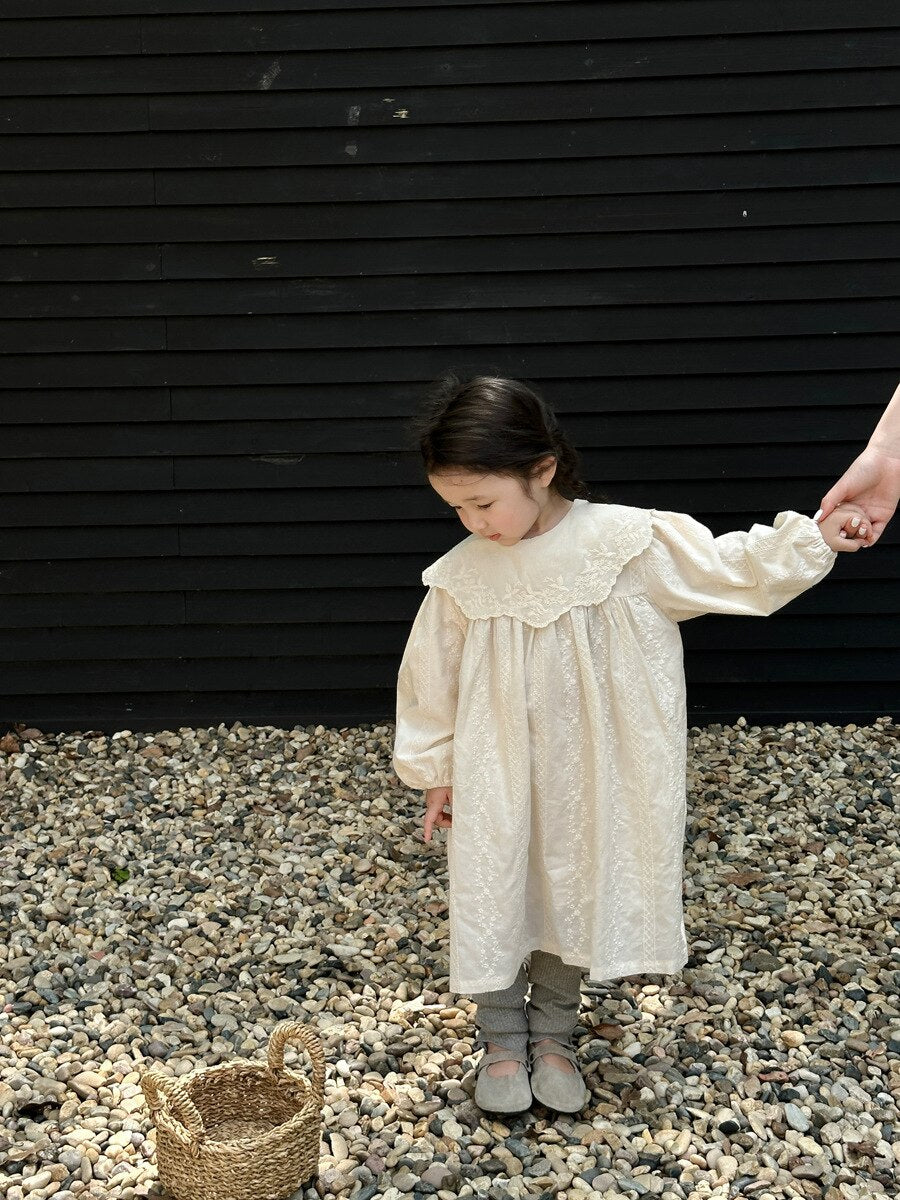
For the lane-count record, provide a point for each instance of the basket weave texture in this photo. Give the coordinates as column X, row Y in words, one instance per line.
column 242, row 1130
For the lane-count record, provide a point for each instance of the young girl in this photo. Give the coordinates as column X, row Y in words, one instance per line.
column 542, row 693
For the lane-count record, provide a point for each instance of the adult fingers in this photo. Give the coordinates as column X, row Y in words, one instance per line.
column 831, row 500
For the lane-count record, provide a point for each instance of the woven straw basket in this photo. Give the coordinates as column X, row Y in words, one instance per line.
column 241, row 1130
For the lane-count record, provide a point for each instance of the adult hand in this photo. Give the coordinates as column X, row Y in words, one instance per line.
column 873, row 482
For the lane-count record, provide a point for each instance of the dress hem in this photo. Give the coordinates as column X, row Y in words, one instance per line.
column 619, row 970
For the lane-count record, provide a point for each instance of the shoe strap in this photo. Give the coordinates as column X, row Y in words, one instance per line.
column 502, row 1056
column 536, row 1052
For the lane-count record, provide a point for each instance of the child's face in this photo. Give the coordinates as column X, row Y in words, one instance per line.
column 496, row 507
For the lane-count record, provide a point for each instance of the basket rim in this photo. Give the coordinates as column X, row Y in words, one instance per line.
column 260, row 1066
column 310, row 1111
column 213, row 1145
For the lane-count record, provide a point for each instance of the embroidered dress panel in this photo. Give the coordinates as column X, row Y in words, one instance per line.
column 544, row 681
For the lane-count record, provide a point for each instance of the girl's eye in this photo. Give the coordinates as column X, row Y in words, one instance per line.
column 485, row 505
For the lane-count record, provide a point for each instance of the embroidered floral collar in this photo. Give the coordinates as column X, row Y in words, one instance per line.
column 537, row 580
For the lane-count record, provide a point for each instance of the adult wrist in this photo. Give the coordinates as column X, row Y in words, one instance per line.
column 884, row 446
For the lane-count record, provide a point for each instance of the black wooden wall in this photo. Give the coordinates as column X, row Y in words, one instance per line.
column 239, row 237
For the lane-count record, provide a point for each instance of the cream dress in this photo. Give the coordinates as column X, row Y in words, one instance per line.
column 544, row 682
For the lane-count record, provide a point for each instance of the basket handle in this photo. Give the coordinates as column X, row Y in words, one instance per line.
column 170, row 1096
column 291, row 1031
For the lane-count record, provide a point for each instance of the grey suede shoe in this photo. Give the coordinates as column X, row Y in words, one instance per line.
column 564, row 1091
column 506, row 1093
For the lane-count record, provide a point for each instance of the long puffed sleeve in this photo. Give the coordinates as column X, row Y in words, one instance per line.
column 690, row 572
column 427, row 688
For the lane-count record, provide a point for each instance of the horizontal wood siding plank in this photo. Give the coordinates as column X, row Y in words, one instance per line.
column 151, row 711
column 693, row 15
column 489, row 143
column 256, row 641
column 496, row 24
column 458, row 218
column 678, row 399
column 592, row 395
column 73, row 114
column 571, row 395
column 418, row 256
column 465, row 66
column 61, row 189
column 171, row 574
column 38, row 38
column 61, row 476
column 117, row 8
column 29, row 678
column 542, row 102
column 456, row 293
column 457, row 144
column 90, row 542
column 304, row 641
column 396, row 185
column 476, row 254
column 282, row 671
column 660, row 173
column 106, row 610
column 79, row 263
column 708, row 357
column 50, row 337
column 443, row 106
column 551, row 326
column 566, row 325
column 710, row 703
column 546, row 102
column 63, row 405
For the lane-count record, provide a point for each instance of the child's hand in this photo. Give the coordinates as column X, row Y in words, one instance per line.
column 845, row 528
column 435, row 799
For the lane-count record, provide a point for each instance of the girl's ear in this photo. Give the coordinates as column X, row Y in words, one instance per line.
column 547, row 469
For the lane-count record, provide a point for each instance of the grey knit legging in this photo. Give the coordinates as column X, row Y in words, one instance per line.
column 551, row 1012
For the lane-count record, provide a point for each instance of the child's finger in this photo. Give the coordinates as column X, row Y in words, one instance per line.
column 854, row 525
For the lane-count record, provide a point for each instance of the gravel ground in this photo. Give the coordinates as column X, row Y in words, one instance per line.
column 169, row 897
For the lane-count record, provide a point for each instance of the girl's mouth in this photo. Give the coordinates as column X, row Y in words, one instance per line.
column 493, row 537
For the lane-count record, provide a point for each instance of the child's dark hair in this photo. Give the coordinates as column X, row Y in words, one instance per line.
column 498, row 426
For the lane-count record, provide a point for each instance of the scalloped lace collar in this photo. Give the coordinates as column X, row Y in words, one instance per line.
column 538, row 579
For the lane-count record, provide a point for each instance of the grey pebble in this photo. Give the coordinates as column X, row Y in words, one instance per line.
column 796, row 1119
